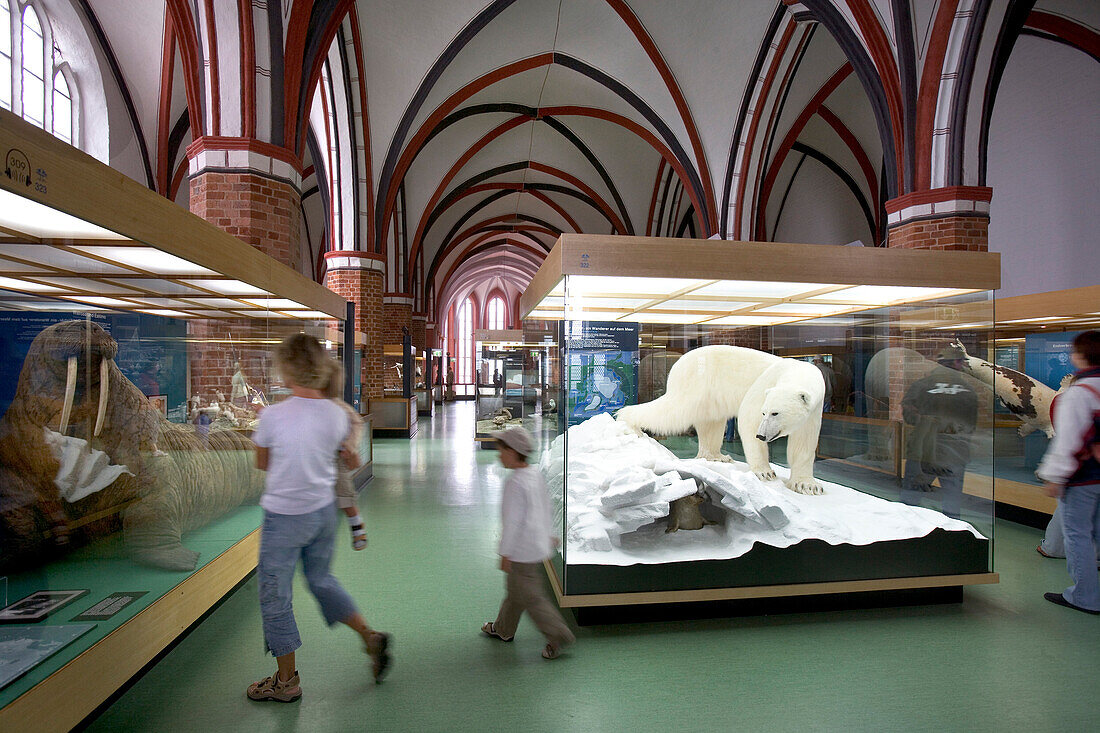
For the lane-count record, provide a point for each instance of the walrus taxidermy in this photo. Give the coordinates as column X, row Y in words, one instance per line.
column 170, row 480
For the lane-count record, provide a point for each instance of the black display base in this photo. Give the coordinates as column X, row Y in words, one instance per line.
column 1020, row 515
column 394, row 432
column 656, row 612
column 941, row 552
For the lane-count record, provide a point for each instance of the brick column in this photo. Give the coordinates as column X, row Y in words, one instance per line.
column 396, row 314
column 955, row 218
column 215, row 348
column 418, row 331
column 251, row 190
column 360, row 278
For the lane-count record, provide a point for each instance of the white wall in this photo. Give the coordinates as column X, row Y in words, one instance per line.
column 820, row 209
column 1044, row 167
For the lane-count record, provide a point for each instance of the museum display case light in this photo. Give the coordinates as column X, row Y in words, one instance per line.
column 138, row 354
column 681, row 473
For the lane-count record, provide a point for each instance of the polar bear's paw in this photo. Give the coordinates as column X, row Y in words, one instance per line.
column 719, row 457
column 804, row 486
column 768, row 475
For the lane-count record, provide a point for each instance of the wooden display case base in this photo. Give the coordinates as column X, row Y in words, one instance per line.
column 1015, row 501
column 65, row 698
column 596, row 608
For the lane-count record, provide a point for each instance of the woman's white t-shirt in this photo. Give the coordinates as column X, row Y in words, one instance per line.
column 302, row 435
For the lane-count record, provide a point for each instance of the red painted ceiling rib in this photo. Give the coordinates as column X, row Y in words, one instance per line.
column 796, row 129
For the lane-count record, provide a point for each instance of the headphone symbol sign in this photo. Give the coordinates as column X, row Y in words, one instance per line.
column 17, row 167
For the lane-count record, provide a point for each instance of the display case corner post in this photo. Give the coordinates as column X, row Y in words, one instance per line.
column 408, row 363
column 349, row 356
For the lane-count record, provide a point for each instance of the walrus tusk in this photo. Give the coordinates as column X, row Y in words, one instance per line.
column 104, row 389
column 70, row 393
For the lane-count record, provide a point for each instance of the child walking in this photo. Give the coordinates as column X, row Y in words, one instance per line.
column 526, row 540
column 295, row 443
column 345, row 491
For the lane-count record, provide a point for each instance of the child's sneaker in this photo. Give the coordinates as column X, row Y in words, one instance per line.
column 358, row 537
column 379, row 650
column 272, row 688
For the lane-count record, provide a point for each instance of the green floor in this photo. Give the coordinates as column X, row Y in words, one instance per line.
column 1005, row 659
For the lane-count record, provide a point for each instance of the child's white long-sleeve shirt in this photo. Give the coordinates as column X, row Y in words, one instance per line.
column 525, row 517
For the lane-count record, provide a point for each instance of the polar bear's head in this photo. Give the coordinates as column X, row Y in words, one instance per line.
column 784, row 409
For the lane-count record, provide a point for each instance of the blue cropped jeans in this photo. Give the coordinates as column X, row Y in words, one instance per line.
column 284, row 539
column 1081, row 517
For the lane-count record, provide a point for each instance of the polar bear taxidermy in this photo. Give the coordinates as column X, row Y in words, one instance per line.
column 770, row 396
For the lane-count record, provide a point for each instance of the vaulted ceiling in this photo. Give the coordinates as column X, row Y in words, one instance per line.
column 469, row 133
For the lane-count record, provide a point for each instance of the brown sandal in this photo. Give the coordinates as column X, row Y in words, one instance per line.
column 551, row 651
column 489, row 629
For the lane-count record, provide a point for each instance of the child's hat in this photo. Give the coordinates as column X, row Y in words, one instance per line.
column 517, row 438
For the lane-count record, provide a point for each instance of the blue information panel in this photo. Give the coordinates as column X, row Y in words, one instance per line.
column 1046, row 356
column 152, row 352
column 601, row 367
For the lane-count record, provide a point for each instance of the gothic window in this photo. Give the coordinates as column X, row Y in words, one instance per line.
column 34, row 61
column 464, row 325
column 62, row 108
column 5, row 54
column 495, row 314
column 33, row 82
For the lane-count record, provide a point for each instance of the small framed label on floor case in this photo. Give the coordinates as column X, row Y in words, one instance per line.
column 109, row 606
column 38, row 605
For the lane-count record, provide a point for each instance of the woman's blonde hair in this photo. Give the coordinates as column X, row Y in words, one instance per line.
column 301, row 360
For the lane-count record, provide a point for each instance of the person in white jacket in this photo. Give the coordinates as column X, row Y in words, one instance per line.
column 526, row 540
column 1071, row 471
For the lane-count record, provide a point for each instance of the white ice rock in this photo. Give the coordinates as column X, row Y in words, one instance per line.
column 620, row 484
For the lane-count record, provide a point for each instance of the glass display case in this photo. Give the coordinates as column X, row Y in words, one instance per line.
column 775, row 420
column 422, row 384
column 137, row 353
column 395, row 413
column 1028, row 364
column 511, row 381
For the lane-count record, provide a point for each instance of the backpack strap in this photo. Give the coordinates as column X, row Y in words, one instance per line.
column 1091, row 447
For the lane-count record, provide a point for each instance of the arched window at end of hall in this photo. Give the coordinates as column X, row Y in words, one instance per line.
column 495, row 313
column 464, row 325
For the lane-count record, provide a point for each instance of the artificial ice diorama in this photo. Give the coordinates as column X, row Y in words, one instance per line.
column 633, row 500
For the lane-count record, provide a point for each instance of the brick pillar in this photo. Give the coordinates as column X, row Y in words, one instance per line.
column 360, row 278
column 955, row 218
column 418, row 330
column 251, row 190
column 396, row 314
column 216, row 347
